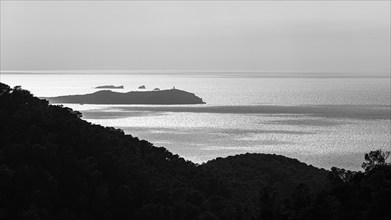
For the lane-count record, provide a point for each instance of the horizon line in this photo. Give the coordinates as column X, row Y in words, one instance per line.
column 186, row 70
column 216, row 73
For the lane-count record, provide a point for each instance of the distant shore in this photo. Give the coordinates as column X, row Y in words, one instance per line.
column 162, row 97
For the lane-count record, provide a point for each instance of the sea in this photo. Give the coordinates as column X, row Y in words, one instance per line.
column 321, row 119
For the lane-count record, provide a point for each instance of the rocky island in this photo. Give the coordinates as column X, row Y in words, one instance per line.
column 162, row 97
column 109, row 87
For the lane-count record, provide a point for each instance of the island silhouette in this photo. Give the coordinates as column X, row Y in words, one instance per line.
column 109, row 87
column 160, row 97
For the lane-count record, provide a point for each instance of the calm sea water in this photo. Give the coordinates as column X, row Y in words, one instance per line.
column 323, row 121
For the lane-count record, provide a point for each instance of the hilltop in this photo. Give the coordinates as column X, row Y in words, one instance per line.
column 109, row 87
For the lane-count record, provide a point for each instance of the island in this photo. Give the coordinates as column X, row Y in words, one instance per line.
column 109, row 87
column 161, row 97
column 141, row 87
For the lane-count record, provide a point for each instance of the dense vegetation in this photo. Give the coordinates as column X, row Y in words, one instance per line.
column 54, row 165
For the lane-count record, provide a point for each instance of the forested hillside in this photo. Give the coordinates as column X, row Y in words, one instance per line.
column 54, row 165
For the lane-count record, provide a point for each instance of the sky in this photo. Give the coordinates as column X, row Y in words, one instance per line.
column 264, row 36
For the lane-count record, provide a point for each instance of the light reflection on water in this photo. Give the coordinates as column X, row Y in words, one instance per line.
column 204, row 136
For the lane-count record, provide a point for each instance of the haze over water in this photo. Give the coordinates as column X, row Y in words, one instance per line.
column 320, row 119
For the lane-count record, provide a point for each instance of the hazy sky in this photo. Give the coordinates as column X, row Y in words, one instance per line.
column 319, row 36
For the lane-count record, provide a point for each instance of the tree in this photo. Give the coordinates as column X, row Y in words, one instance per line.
column 374, row 159
column 339, row 176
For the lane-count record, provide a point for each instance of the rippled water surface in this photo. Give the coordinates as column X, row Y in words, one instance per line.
column 324, row 121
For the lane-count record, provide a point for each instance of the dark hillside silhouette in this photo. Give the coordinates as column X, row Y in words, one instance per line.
column 352, row 195
column 54, row 165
